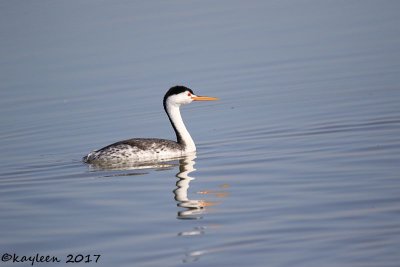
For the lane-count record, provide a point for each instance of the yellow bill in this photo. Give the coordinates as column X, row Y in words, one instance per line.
column 203, row 98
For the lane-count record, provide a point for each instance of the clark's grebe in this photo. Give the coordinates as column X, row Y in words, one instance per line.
column 149, row 149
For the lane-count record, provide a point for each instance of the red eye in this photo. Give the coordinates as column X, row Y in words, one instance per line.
column 189, row 94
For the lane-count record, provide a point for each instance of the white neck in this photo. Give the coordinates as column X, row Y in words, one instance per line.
column 182, row 134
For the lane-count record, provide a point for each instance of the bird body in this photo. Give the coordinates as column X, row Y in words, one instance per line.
column 154, row 149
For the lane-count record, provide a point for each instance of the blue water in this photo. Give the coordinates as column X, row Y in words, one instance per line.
column 297, row 165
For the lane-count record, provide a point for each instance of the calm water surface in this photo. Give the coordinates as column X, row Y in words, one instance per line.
column 297, row 165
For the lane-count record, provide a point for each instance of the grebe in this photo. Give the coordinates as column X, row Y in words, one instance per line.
column 152, row 149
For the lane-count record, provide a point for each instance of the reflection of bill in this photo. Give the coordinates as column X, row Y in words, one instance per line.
column 194, row 208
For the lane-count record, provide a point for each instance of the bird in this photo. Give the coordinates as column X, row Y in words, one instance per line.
column 154, row 149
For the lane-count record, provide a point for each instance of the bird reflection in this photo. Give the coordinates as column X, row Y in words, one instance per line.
column 193, row 208
column 190, row 209
column 126, row 166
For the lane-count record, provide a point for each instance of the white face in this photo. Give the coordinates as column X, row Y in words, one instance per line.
column 181, row 99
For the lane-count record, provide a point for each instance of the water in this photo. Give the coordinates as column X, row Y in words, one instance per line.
column 297, row 164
